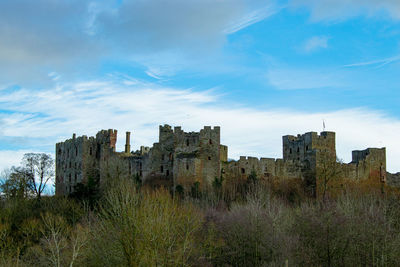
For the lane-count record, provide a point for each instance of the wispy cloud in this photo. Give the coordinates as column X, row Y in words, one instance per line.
column 343, row 9
column 47, row 35
column 315, row 43
column 87, row 107
column 252, row 17
column 378, row 63
column 299, row 79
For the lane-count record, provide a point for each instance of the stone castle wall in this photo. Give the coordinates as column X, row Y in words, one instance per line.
column 185, row 158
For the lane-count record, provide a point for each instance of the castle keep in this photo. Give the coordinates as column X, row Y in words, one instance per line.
column 185, row 158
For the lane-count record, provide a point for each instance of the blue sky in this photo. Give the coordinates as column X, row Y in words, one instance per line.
column 260, row 69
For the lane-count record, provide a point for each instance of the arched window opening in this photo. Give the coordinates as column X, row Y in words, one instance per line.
column 162, row 169
column 243, row 171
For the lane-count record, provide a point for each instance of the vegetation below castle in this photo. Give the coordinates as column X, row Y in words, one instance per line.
column 254, row 223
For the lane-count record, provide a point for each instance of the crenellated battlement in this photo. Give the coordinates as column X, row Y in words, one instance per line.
column 184, row 158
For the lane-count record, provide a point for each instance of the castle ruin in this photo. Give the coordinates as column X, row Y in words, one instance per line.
column 185, row 158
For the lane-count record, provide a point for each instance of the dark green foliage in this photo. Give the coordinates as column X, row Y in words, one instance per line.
column 252, row 179
column 195, row 190
column 17, row 183
column 180, row 191
column 89, row 192
column 137, row 181
column 217, row 186
column 21, row 225
column 265, row 225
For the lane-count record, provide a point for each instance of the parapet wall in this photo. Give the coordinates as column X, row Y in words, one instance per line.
column 369, row 163
column 264, row 168
column 303, row 147
column 184, row 158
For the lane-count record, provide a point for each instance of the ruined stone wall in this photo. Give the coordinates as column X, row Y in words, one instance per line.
column 210, row 154
column 197, row 156
column 393, row 179
column 301, row 147
column 72, row 163
column 368, row 163
column 264, row 168
column 158, row 161
column 187, row 163
column 223, row 153
column 79, row 159
column 184, row 158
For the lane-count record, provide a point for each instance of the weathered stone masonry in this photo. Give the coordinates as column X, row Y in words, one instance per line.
column 184, row 158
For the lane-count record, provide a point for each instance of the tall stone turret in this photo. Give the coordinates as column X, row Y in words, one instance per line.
column 305, row 146
column 128, row 142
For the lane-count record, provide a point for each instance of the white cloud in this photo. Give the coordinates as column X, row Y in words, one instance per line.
column 315, row 43
column 10, row 158
column 87, row 107
column 252, row 17
column 294, row 79
column 38, row 37
column 378, row 63
column 343, row 9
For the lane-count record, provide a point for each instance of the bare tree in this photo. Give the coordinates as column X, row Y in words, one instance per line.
column 40, row 167
column 17, row 183
column 329, row 171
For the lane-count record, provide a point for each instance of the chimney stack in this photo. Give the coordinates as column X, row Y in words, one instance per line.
column 128, row 142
